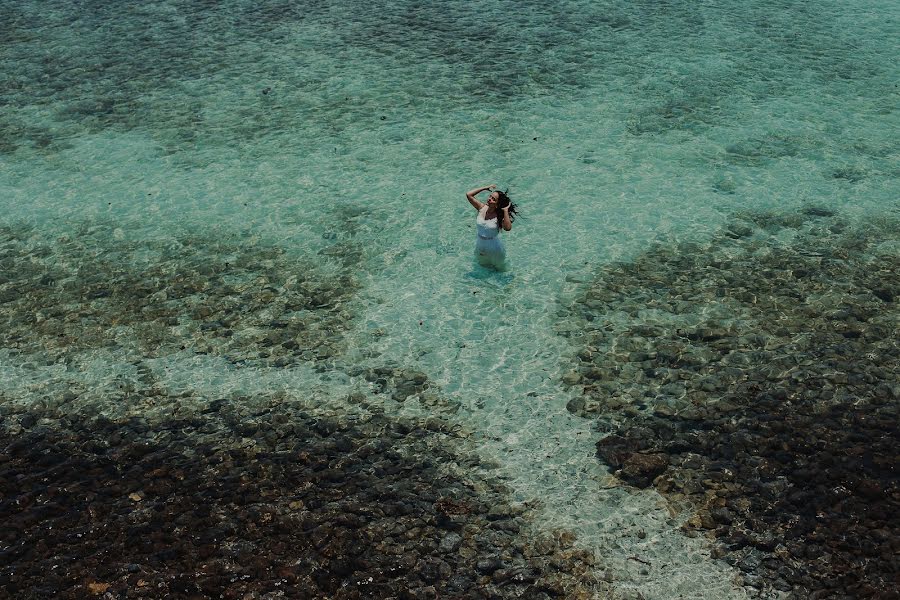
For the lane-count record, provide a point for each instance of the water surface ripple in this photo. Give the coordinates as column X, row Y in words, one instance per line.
column 255, row 209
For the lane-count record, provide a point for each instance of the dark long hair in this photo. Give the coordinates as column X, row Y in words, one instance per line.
column 503, row 199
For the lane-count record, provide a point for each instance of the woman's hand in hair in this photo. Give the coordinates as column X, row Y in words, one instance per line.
column 470, row 196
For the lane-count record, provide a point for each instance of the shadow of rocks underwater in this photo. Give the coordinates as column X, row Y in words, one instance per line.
column 285, row 503
column 754, row 381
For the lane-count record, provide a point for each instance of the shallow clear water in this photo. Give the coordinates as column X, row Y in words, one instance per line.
column 346, row 133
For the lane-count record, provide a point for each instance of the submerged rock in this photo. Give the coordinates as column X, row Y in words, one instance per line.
column 640, row 469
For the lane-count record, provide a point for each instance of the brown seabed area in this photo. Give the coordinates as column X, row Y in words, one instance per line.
column 754, row 381
column 277, row 502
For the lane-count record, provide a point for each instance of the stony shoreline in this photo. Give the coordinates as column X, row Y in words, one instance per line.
column 755, row 381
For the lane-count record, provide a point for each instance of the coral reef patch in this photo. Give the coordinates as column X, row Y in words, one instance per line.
column 753, row 381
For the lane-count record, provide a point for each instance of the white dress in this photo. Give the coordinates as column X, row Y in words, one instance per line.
column 489, row 249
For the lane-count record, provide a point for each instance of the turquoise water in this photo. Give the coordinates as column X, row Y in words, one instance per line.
column 160, row 135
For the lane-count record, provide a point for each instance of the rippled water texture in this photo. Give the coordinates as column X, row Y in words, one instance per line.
column 244, row 347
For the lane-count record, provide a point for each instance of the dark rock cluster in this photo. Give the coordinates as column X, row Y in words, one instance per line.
column 755, row 380
column 274, row 501
column 402, row 384
column 251, row 304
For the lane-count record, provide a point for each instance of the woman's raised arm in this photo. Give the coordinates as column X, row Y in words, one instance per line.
column 470, row 196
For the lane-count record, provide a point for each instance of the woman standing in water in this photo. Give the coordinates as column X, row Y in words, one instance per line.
column 499, row 212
